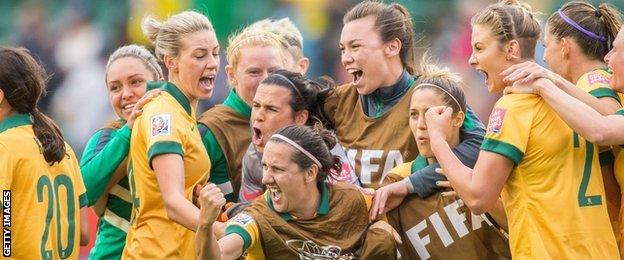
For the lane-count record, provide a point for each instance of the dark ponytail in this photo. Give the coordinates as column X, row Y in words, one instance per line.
column 305, row 94
column 23, row 83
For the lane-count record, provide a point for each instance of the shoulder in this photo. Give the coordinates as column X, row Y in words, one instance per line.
column 514, row 101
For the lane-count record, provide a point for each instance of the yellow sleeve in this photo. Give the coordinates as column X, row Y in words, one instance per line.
column 79, row 186
column 245, row 226
column 596, row 83
column 510, row 125
column 6, row 168
column 162, row 125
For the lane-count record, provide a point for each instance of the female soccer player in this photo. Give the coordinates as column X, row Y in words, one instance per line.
column 252, row 53
column 298, row 206
column 577, row 38
column 104, row 161
column 284, row 98
column 168, row 157
column 39, row 174
column 426, row 225
column 529, row 154
column 377, row 44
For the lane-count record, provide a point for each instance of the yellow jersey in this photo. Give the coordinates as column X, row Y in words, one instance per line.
column 43, row 202
column 167, row 126
column 554, row 196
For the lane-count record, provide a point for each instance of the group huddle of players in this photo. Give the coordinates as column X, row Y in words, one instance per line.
column 391, row 165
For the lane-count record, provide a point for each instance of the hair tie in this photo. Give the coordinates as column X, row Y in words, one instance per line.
column 581, row 29
column 298, row 147
column 443, row 90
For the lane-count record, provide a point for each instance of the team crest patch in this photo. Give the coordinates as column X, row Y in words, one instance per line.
column 161, row 125
column 496, row 120
column 242, row 219
column 594, row 78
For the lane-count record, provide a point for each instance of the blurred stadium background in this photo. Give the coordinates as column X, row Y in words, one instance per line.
column 74, row 37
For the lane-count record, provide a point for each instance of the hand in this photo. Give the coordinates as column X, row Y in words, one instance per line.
column 438, row 119
column 446, row 185
column 138, row 106
column 196, row 191
column 386, row 227
column 526, row 72
column 211, row 200
column 387, row 198
column 536, row 87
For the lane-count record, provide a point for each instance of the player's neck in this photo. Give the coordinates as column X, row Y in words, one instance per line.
column 309, row 207
column 583, row 66
column 5, row 111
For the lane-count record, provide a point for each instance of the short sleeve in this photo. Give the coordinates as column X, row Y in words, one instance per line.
column 6, row 168
column 596, row 83
column 245, row 226
column 163, row 127
column 509, row 126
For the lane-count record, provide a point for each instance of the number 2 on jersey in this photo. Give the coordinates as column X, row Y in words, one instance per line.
column 583, row 199
column 52, row 190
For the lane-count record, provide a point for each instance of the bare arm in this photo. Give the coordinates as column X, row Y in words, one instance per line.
column 85, row 235
column 229, row 247
column 479, row 188
column 589, row 123
column 529, row 71
column 169, row 170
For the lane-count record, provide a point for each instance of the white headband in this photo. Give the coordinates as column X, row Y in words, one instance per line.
column 291, row 142
column 443, row 90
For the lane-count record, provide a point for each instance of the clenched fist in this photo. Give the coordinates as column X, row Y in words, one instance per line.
column 211, row 200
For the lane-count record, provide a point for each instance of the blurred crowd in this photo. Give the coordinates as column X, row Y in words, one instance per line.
column 73, row 37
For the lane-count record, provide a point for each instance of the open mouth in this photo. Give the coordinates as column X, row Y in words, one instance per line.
column 128, row 108
column 357, row 75
column 276, row 193
column 207, row 82
column 484, row 74
column 256, row 138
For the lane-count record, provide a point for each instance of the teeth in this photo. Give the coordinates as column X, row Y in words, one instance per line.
column 131, row 106
column 351, row 71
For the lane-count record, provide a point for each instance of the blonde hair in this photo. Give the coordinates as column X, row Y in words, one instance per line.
column 288, row 33
column 166, row 35
column 140, row 53
column 250, row 37
column 512, row 20
column 446, row 83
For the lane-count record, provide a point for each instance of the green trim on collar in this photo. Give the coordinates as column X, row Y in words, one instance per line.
column 323, row 208
column 238, row 104
column 173, row 91
column 419, row 163
column 620, row 112
column 15, row 121
column 505, row 149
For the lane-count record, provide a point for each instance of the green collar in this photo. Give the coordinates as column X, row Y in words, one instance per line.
column 236, row 103
column 419, row 163
column 173, row 91
column 15, row 121
column 323, row 208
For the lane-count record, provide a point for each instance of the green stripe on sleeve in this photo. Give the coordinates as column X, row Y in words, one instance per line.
column 605, row 92
column 236, row 229
column 502, row 148
column 83, row 200
column 163, row 147
column 620, row 112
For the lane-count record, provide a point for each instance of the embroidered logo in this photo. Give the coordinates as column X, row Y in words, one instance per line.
column 496, row 120
column 161, row 125
column 242, row 219
column 594, row 78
